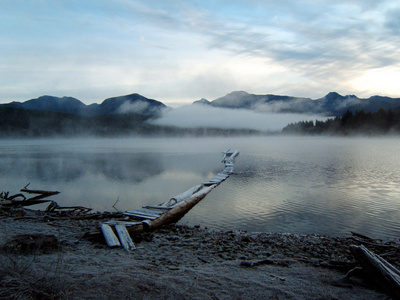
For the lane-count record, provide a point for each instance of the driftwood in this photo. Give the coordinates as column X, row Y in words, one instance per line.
column 378, row 269
column 152, row 216
column 125, row 238
column 174, row 214
column 21, row 200
column 171, row 211
column 109, row 235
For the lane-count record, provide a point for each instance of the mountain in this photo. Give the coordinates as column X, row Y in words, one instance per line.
column 128, row 104
column 332, row 104
column 133, row 103
column 202, row 101
column 49, row 103
column 245, row 100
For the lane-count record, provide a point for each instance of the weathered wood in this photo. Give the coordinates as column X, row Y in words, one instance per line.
column 27, row 202
column 179, row 210
column 208, row 183
column 228, row 170
column 41, row 194
column 378, row 269
column 182, row 196
column 178, row 206
column 125, row 223
column 125, row 238
column 157, row 207
column 216, row 180
column 229, row 157
column 109, row 235
column 141, row 216
column 147, row 211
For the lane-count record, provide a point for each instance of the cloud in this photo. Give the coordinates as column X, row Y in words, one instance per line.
column 173, row 50
column 133, row 107
column 328, row 43
column 203, row 116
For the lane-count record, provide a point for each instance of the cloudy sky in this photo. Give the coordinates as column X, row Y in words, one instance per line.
column 180, row 51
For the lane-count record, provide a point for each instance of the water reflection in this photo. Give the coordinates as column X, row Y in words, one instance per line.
column 301, row 185
column 54, row 167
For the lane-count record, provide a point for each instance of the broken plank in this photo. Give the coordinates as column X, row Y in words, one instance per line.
column 140, row 216
column 125, row 238
column 222, row 175
column 125, row 223
column 157, row 207
column 146, row 211
column 208, row 183
column 109, row 235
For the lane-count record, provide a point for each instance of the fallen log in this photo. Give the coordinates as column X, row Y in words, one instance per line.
column 175, row 208
column 174, row 214
column 379, row 270
column 177, row 211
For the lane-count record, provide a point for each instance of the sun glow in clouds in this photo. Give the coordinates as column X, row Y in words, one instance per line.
column 383, row 81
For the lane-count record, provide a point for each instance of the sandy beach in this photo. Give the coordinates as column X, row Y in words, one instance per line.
column 179, row 262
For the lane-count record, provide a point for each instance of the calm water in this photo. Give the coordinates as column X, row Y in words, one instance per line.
column 282, row 184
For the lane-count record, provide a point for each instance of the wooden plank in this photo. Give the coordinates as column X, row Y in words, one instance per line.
column 125, row 223
column 216, row 180
column 228, row 170
column 222, row 175
column 109, row 235
column 208, row 183
column 146, row 211
column 140, row 216
column 157, row 207
column 125, row 238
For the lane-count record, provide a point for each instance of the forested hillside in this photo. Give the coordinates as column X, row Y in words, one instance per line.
column 360, row 122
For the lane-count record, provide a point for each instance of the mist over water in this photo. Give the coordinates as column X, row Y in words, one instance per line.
column 303, row 185
column 203, row 116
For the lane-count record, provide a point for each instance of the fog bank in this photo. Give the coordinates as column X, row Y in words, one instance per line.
column 195, row 116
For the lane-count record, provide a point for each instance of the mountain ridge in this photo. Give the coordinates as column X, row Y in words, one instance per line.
column 332, row 104
column 132, row 103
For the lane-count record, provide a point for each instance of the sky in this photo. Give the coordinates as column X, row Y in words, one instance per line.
column 178, row 51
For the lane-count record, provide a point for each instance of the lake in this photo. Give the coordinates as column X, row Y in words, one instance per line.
column 303, row 185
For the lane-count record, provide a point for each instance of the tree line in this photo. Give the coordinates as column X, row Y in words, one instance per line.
column 360, row 122
column 18, row 123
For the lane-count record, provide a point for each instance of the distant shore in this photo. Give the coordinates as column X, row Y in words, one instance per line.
column 181, row 262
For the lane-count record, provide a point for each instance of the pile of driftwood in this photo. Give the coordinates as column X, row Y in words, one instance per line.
column 53, row 211
column 117, row 232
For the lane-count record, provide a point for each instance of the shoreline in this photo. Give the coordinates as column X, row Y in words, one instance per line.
column 182, row 262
